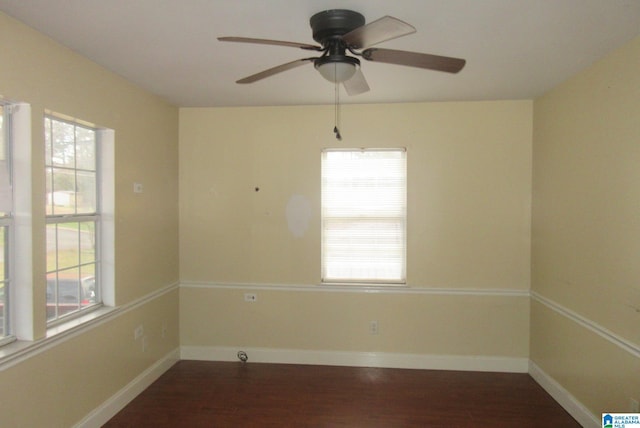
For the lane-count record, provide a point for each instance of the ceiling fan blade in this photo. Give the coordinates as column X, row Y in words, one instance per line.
column 275, row 70
column 414, row 59
column 357, row 84
column 381, row 30
column 271, row 42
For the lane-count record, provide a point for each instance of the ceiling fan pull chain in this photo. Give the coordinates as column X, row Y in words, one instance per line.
column 336, row 120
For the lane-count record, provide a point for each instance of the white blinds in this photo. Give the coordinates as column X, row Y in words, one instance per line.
column 364, row 215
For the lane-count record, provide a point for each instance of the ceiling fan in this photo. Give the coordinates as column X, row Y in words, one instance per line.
column 341, row 31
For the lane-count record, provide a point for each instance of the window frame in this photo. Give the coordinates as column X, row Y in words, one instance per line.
column 7, row 223
column 83, row 217
column 401, row 220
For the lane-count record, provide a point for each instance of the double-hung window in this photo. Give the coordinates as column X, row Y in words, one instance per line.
column 364, row 216
column 72, row 217
column 6, row 220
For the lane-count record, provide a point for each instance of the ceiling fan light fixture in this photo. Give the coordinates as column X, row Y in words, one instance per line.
column 337, row 68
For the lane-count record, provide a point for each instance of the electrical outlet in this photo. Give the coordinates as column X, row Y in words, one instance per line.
column 138, row 332
column 634, row 405
column 250, row 297
column 373, row 327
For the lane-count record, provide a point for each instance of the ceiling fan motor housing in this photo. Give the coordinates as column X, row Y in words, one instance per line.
column 332, row 24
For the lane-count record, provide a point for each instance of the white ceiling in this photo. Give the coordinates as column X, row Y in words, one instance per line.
column 515, row 49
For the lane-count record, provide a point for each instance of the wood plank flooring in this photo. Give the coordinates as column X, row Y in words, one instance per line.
column 224, row 394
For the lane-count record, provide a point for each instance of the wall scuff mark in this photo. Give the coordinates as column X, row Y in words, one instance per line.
column 298, row 215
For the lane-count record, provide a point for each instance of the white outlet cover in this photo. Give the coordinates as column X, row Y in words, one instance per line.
column 373, row 327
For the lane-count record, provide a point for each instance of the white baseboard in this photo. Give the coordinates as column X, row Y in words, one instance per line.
column 570, row 403
column 359, row 359
column 118, row 401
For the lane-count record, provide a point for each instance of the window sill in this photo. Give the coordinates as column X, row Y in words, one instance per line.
column 20, row 350
column 364, row 284
column 78, row 322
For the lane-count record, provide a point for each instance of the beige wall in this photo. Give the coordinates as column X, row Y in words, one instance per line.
column 586, row 231
column 469, row 181
column 307, row 320
column 61, row 385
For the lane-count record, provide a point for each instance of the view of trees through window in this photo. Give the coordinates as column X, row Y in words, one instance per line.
column 71, row 168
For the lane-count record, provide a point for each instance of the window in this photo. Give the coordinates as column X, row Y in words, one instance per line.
column 73, row 218
column 6, row 219
column 364, row 216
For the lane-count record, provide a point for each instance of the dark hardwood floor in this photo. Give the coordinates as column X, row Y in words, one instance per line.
column 223, row 394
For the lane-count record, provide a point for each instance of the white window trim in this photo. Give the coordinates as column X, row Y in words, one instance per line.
column 22, row 313
column 368, row 282
column 8, row 222
column 106, row 157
